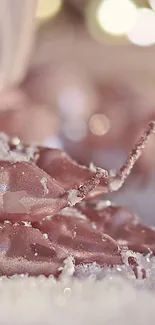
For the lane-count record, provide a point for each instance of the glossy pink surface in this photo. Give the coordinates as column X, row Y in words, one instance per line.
column 39, row 226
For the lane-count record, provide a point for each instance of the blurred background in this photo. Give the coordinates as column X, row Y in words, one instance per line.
column 80, row 75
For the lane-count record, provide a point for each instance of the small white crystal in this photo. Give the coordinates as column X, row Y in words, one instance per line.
column 94, row 225
column 43, row 181
column 14, row 155
column 45, row 236
column 102, row 204
column 7, row 221
column 115, row 184
column 68, row 269
column 73, row 197
column 48, row 218
column 92, row 167
column 15, row 141
column 27, row 223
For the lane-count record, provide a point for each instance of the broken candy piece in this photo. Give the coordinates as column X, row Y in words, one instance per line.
column 121, row 224
column 88, row 232
column 47, row 180
column 138, row 238
column 25, row 250
column 61, row 167
column 35, row 185
column 26, row 190
column 42, row 247
column 77, row 237
column 105, row 216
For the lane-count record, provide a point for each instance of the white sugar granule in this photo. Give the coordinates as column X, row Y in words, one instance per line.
column 43, row 181
column 14, row 155
column 103, row 204
column 73, row 197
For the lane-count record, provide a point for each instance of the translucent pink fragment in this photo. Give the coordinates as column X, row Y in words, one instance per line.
column 61, row 167
column 76, row 237
column 26, row 191
column 122, row 225
column 36, row 182
column 107, row 218
column 24, row 250
column 139, row 238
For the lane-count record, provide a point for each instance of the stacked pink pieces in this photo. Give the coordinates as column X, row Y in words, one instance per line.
column 39, row 226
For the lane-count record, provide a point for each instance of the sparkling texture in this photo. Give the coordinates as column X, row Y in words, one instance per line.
column 45, row 234
column 89, row 264
column 108, row 301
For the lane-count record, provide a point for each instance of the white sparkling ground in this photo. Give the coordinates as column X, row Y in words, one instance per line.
column 112, row 300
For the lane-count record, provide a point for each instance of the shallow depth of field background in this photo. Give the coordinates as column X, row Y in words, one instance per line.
column 80, row 75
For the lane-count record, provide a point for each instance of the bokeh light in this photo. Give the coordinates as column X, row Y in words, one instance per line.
column 48, row 8
column 68, row 96
column 143, row 32
column 99, row 124
column 117, row 17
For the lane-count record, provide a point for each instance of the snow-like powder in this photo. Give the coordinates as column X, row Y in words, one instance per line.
column 94, row 297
